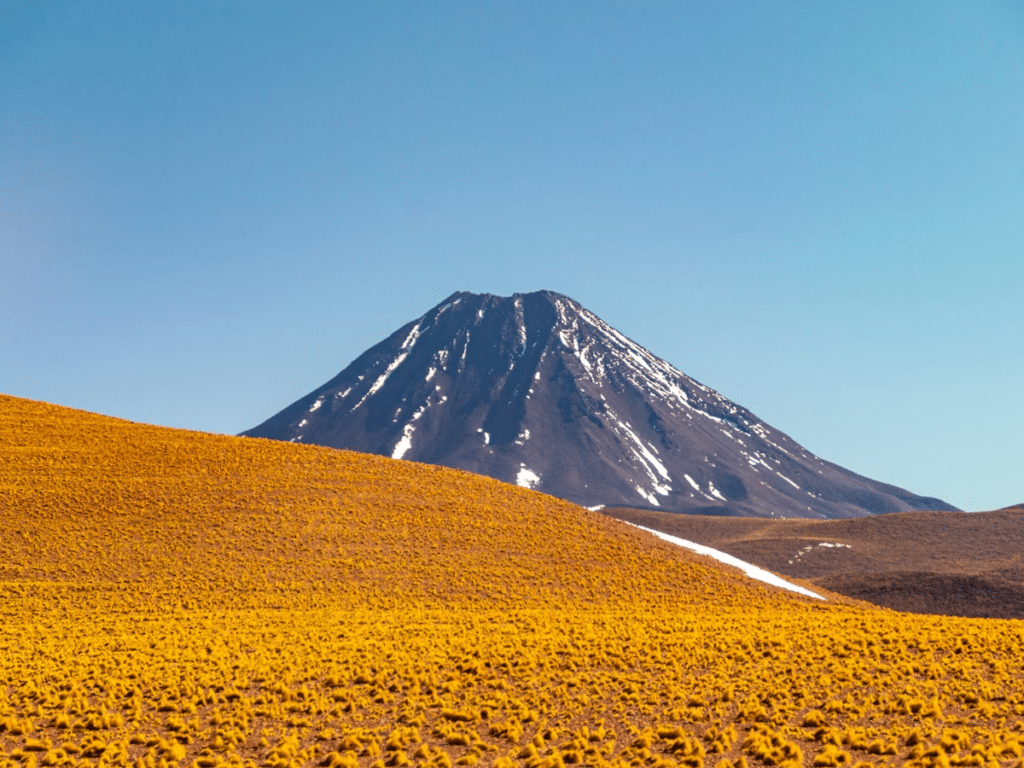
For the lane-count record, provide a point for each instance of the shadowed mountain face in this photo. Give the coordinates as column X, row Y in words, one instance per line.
column 534, row 389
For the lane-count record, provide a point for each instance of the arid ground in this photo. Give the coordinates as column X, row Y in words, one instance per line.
column 952, row 563
column 174, row 599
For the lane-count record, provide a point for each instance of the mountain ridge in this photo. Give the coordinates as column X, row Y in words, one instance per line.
column 536, row 390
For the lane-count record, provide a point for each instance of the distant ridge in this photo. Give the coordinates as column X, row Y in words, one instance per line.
column 536, row 390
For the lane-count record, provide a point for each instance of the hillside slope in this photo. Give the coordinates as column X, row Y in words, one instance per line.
column 949, row 563
column 213, row 520
column 174, row 598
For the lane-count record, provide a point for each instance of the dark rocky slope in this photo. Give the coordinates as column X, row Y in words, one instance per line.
column 536, row 390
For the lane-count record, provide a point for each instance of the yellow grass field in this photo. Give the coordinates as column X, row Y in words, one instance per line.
column 172, row 598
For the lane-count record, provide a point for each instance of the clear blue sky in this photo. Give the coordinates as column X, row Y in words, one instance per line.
column 207, row 209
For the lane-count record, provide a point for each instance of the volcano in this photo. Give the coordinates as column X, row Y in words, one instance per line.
column 534, row 389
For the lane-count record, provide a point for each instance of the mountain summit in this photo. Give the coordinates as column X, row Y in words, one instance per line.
column 536, row 390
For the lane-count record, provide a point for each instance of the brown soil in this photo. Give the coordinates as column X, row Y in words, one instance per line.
column 950, row 563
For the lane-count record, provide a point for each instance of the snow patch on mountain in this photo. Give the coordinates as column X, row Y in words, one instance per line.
column 527, row 478
column 648, row 495
column 787, row 480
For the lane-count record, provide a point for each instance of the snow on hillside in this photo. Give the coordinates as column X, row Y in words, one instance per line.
column 750, row 570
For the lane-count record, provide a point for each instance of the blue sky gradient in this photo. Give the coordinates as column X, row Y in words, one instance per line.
column 207, row 209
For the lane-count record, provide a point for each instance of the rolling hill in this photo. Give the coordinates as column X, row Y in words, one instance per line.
column 962, row 564
column 173, row 598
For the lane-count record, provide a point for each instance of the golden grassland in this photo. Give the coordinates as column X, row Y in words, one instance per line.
column 172, row 598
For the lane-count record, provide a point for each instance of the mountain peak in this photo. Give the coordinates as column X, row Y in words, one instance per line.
column 537, row 390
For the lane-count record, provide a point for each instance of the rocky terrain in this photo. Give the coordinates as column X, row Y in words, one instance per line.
column 536, row 390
